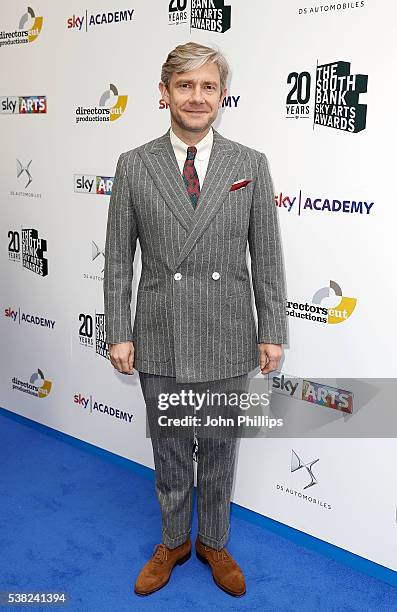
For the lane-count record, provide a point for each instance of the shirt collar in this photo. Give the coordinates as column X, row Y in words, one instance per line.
column 203, row 146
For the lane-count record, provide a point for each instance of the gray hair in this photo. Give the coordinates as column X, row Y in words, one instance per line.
column 190, row 56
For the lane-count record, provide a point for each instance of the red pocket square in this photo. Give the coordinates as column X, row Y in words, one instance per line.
column 240, row 184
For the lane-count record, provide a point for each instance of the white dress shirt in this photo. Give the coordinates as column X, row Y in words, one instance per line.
column 203, row 147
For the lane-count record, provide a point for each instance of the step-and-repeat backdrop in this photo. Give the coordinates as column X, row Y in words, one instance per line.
column 312, row 85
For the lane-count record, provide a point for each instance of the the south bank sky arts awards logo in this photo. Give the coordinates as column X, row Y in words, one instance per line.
column 93, row 336
column 334, row 100
column 110, row 107
column 208, row 15
column 29, row 248
column 37, row 386
column 319, row 310
column 28, row 30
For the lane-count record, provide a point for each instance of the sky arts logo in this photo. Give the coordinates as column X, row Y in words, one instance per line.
column 336, row 97
column 328, row 306
column 19, row 316
column 28, row 30
column 209, row 15
column 38, row 385
column 91, row 183
column 88, row 20
column 91, row 405
column 313, row 392
column 227, row 102
column 308, row 204
column 32, row 250
column 23, row 105
column 90, row 336
column 111, row 107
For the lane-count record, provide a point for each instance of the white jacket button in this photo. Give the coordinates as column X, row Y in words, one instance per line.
column 215, row 275
column 177, row 276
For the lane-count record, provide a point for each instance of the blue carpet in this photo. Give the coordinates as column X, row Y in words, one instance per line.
column 72, row 520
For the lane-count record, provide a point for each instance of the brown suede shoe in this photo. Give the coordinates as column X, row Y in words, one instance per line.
column 225, row 571
column 157, row 571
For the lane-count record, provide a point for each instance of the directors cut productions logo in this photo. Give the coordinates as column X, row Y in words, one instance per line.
column 38, row 385
column 111, row 106
column 208, row 15
column 92, row 183
column 32, row 250
column 316, row 311
column 28, row 30
column 336, row 97
column 23, row 105
column 90, row 336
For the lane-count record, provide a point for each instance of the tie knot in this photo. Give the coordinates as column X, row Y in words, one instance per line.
column 191, row 152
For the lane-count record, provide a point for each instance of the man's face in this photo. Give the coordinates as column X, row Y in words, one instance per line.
column 194, row 97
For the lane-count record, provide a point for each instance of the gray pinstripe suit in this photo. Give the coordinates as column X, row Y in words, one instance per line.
column 194, row 321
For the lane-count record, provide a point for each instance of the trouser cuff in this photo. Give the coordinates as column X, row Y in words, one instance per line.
column 174, row 542
column 213, row 542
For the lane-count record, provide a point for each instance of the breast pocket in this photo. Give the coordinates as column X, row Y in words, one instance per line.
column 239, row 330
column 233, row 216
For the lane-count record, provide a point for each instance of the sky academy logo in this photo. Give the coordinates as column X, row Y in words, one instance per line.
column 28, row 30
column 227, row 102
column 17, row 315
column 306, row 204
column 336, row 97
column 93, row 406
column 208, row 15
column 84, row 22
column 111, row 106
column 319, row 311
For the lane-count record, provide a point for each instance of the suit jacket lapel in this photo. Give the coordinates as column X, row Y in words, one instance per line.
column 163, row 167
column 225, row 159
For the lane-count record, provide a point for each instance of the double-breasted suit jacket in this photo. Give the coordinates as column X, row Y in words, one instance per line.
column 194, row 314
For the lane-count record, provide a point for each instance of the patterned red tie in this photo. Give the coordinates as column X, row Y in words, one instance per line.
column 190, row 176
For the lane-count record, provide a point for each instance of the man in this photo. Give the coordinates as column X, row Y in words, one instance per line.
column 194, row 199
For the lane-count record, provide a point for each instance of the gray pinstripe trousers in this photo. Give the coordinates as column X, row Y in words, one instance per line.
column 173, row 459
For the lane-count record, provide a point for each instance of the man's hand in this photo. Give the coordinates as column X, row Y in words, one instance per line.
column 269, row 358
column 122, row 357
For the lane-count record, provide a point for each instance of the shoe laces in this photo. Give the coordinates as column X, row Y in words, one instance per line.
column 160, row 553
column 221, row 555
